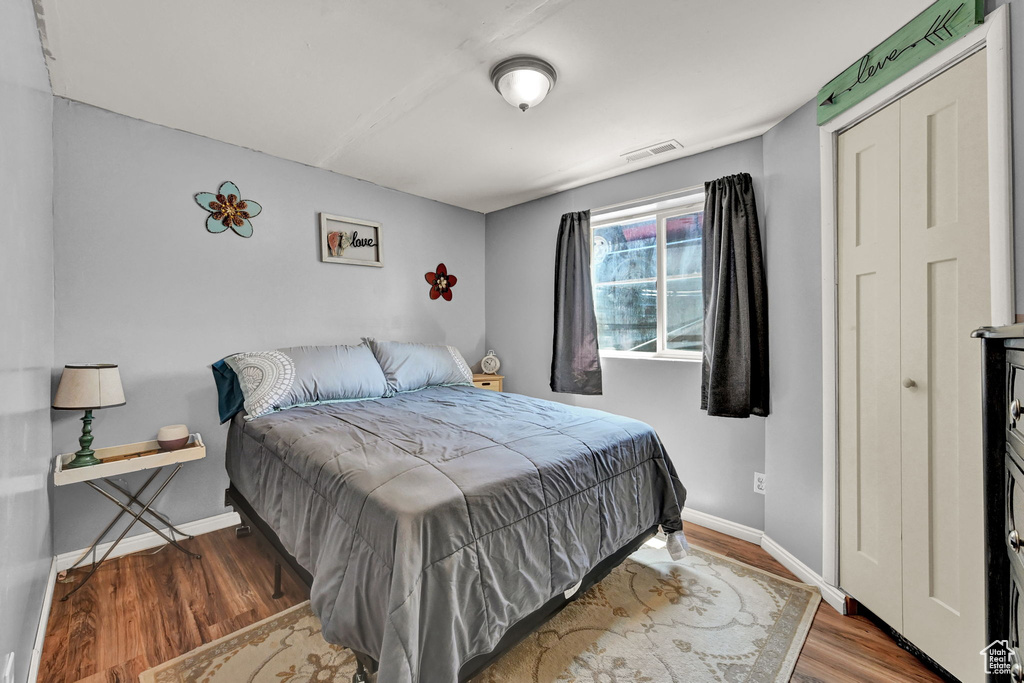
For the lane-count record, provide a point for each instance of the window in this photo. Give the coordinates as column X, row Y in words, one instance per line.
column 646, row 267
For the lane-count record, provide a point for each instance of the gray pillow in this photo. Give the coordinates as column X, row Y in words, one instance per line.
column 305, row 375
column 409, row 367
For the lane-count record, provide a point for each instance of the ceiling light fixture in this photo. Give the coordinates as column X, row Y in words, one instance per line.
column 524, row 82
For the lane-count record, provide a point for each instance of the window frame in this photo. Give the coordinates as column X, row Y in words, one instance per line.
column 689, row 202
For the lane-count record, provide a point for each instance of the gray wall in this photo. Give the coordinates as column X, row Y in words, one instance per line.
column 716, row 457
column 1017, row 84
column 140, row 282
column 793, row 458
column 26, row 333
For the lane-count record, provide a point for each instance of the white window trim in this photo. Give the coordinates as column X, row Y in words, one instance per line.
column 660, row 208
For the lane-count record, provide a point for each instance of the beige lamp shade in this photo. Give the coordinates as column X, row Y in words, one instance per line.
column 88, row 387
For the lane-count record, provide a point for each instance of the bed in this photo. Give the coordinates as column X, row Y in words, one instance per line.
column 437, row 524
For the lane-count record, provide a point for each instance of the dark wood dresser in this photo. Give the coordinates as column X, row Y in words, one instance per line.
column 1003, row 396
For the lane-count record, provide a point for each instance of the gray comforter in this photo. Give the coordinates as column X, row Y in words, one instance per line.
column 433, row 521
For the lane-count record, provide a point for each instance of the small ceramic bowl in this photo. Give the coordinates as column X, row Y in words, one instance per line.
column 172, row 437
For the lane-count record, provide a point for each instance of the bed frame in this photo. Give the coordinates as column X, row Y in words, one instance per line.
column 366, row 666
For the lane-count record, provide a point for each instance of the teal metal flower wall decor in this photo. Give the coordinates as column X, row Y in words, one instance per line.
column 228, row 210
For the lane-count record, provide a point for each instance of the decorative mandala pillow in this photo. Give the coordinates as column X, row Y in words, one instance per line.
column 266, row 377
column 306, row 375
column 409, row 367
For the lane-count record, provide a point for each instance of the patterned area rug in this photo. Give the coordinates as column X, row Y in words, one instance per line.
column 705, row 618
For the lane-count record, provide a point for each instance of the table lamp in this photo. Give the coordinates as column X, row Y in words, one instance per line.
column 88, row 388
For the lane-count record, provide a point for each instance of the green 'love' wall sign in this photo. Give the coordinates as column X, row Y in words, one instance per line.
column 927, row 33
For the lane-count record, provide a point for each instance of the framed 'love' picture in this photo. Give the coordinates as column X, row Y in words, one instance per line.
column 349, row 240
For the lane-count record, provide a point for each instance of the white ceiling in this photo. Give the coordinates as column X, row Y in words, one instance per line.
column 397, row 92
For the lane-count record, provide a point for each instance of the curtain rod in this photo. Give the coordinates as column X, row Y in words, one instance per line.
column 652, row 198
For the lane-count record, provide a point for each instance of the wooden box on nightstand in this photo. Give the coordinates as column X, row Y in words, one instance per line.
column 491, row 382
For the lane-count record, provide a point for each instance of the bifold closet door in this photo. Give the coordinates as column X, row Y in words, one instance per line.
column 914, row 271
column 945, row 294
column 870, row 551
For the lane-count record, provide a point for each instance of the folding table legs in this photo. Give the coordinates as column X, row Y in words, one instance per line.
column 110, row 526
column 133, row 499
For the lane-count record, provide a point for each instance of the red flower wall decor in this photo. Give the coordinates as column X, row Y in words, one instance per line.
column 441, row 283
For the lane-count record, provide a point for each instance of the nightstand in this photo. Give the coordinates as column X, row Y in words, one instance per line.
column 120, row 460
column 490, row 382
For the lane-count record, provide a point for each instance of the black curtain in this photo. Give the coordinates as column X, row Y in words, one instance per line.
column 575, row 363
column 735, row 373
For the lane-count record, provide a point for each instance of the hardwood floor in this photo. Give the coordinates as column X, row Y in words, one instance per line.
column 144, row 609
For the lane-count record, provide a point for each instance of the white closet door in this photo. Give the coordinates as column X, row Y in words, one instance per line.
column 945, row 294
column 868, row 196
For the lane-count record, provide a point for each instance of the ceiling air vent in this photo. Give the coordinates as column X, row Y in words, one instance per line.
column 647, row 152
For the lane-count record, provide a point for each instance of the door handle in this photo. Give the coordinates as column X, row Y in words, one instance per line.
column 909, row 383
column 1017, row 673
column 1015, row 410
column 1014, row 540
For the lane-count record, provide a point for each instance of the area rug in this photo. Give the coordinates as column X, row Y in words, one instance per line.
column 652, row 620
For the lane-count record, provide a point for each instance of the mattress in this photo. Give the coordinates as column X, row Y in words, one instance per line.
column 433, row 521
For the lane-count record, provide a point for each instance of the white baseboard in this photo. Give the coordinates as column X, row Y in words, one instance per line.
column 44, row 619
column 151, row 539
column 829, row 593
column 744, row 533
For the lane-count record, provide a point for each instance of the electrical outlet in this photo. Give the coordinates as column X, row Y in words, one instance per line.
column 9, row 668
column 759, row 483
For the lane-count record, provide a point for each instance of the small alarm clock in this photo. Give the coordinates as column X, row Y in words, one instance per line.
column 490, row 363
